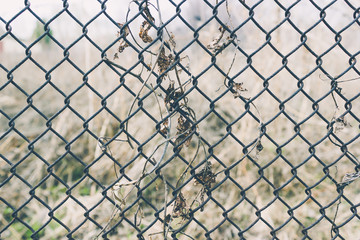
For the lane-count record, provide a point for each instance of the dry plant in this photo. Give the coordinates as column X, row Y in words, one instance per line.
column 199, row 167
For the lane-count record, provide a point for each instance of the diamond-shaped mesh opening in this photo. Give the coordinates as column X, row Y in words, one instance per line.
column 65, row 35
column 317, row 173
column 32, row 177
column 44, row 50
column 48, row 93
column 298, row 19
column 152, row 193
column 16, row 147
column 14, row 102
column 347, row 40
column 67, row 206
column 285, row 232
column 63, row 173
column 34, row 217
column 92, row 101
column 188, row 119
column 106, row 35
column 83, row 54
column 51, row 191
column 61, row 122
column 22, row 80
column 242, row 220
column 335, row 53
column 67, row 85
column 323, row 224
column 255, row 229
column 21, row 25
column 301, row 54
column 16, row 198
column 268, row 23
column 311, row 216
column 336, row 10
column 315, row 42
column 292, row 193
column 35, row 118
column 99, row 170
column 275, row 220
column 13, row 50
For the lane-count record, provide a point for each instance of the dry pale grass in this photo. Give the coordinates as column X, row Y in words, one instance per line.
column 45, row 150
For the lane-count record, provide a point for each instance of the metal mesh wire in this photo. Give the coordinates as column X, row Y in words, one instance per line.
column 180, row 120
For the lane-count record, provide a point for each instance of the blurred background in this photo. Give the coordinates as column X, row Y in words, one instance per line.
column 52, row 113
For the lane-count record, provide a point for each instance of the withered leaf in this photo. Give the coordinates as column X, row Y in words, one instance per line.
column 172, row 40
column 123, row 44
column 183, row 124
column 218, row 44
column 164, row 61
column 180, row 209
column 183, row 130
column 340, row 124
column 237, row 89
column 148, row 14
column 205, row 177
column 164, row 127
column 144, row 32
column 146, row 26
column 171, row 96
column 126, row 29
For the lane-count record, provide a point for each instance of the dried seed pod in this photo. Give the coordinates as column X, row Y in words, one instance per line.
column 237, row 89
column 148, row 14
column 164, row 127
column 144, row 32
column 164, row 61
column 215, row 45
column 180, row 209
column 183, row 130
column 146, row 26
column 123, row 44
column 172, row 96
column 172, row 40
column 205, row 177
column 126, row 29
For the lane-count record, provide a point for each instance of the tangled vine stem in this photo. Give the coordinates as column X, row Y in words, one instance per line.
column 176, row 103
column 157, row 152
column 185, row 126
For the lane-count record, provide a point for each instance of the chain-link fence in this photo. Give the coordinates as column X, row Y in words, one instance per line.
column 169, row 119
